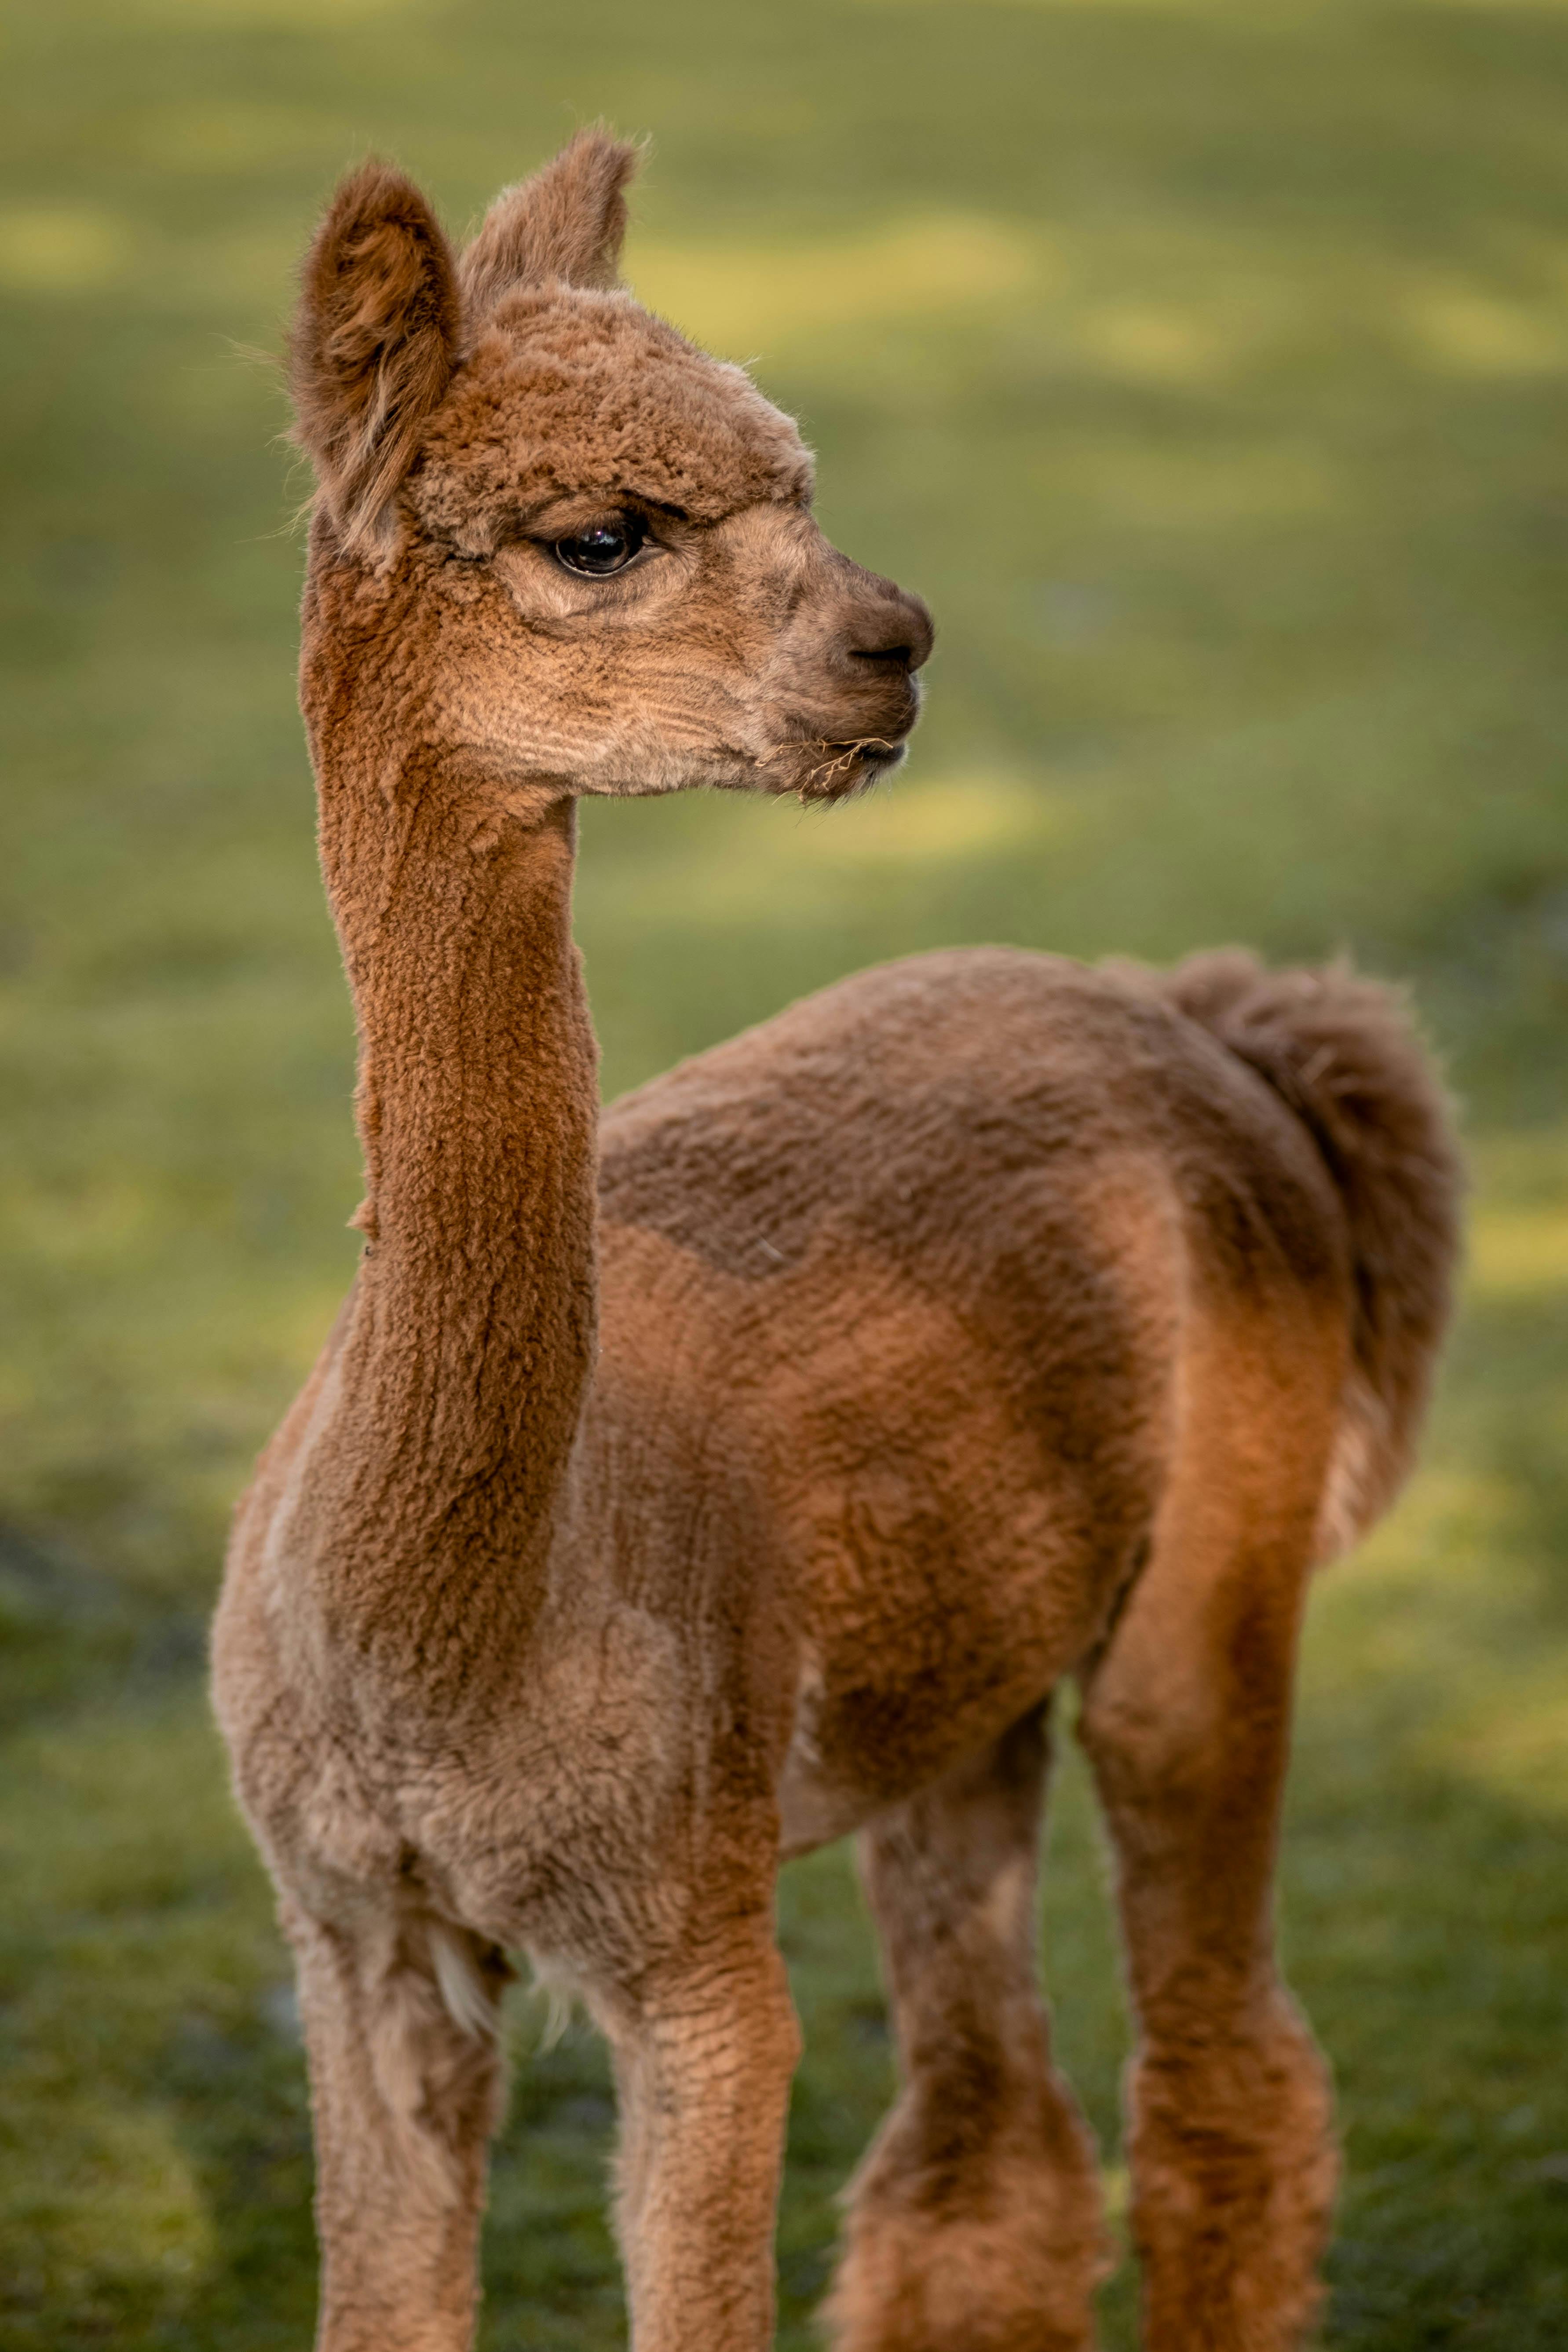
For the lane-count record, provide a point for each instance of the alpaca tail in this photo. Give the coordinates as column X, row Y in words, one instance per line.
column 1342, row 1053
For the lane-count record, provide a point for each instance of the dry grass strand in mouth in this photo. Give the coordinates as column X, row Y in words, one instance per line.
column 823, row 782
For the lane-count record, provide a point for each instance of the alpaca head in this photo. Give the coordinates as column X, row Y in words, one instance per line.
column 554, row 540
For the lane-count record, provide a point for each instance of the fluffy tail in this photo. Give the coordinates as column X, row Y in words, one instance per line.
column 1343, row 1053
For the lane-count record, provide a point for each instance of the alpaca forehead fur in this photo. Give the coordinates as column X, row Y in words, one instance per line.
column 569, row 391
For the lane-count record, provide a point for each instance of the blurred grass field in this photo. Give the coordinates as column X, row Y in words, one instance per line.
column 1204, row 363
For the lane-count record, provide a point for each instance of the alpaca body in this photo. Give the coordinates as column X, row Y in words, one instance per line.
column 925, row 1310
column 909, row 1302
column 681, row 1490
column 943, row 1251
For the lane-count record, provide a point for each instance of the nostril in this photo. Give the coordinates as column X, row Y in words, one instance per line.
column 889, row 628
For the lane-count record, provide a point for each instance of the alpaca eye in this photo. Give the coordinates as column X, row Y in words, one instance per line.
column 607, row 547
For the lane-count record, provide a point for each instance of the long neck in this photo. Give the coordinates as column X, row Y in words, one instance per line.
column 450, row 1417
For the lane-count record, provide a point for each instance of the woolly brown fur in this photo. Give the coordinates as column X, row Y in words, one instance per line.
column 678, row 1491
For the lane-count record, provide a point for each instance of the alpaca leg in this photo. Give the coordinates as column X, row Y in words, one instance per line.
column 704, row 2063
column 1186, row 1721
column 974, row 2223
column 405, row 2100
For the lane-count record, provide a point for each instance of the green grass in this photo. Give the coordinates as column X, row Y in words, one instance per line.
column 1204, row 363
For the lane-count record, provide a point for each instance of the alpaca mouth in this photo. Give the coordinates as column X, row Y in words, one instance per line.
column 843, row 768
column 831, row 763
column 825, row 769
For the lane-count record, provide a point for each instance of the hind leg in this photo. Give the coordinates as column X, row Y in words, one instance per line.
column 1186, row 1721
column 975, row 2223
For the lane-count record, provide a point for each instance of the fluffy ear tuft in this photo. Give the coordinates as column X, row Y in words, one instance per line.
column 374, row 342
column 567, row 221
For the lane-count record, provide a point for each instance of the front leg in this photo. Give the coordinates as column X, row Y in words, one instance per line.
column 703, row 2057
column 401, row 2020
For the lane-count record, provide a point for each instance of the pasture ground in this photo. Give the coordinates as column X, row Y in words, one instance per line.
column 1204, row 363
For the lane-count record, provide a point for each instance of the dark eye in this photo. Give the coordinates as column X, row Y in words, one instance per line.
column 607, row 547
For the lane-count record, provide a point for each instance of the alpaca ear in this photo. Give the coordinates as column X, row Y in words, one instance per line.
column 374, row 342
column 566, row 223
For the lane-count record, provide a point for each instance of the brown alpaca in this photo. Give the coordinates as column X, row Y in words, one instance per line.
column 679, row 1492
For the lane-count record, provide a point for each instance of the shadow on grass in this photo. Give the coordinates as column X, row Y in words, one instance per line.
column 1239, row 497
column 1427, row 1920
column 154, row 2153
